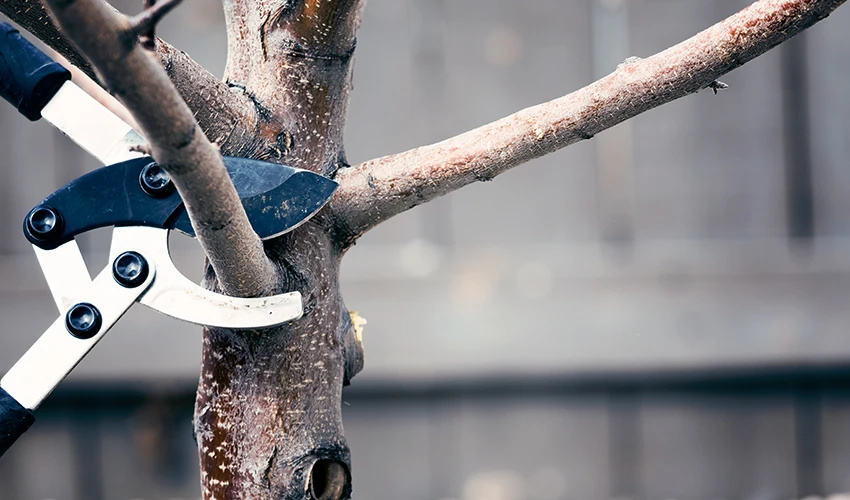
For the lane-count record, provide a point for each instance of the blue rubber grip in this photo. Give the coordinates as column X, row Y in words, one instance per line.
column 28, row 77
column 14, row 420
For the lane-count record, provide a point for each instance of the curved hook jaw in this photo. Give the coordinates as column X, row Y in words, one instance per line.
column 173, row 294
column 91, row 307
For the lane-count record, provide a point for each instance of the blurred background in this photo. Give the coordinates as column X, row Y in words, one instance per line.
column 660, row 312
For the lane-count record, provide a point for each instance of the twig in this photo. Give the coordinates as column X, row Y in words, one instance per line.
column 144, row 23
column 177, row 143
column 376, row 190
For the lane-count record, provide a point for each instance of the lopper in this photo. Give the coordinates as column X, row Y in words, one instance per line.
column 137, row 197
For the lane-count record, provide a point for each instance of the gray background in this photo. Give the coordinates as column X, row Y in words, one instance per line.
column 648, row 314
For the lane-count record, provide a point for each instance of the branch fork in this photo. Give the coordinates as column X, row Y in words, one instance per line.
column 177, row 143
column 143, row 25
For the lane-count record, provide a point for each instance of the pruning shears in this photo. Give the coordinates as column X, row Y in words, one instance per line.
column 136, row 196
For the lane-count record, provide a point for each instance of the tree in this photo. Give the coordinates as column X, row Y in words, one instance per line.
column 268, row 408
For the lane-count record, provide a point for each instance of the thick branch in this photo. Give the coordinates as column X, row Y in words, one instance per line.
column 177, row 142
column 376, row 190
column 227, row 116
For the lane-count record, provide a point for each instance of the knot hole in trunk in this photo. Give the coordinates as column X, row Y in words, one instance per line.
column 329, row 480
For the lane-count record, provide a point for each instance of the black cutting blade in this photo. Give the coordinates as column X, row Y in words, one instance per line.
column 277, row 199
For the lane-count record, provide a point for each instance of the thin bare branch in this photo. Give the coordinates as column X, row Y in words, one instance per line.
column 177, row 142
column 227, row 116
column 376, row 190
column 143, row 24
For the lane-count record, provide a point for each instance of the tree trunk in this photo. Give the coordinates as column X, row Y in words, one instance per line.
column 268, row 412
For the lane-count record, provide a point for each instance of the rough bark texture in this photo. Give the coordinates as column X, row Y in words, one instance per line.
column 378, row 189
column 32, row 15
column 268, row 409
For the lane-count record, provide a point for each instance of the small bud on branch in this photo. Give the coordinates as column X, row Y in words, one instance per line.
column 717, row 85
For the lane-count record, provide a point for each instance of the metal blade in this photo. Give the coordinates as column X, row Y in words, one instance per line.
column 91, row 125
column 277, row 198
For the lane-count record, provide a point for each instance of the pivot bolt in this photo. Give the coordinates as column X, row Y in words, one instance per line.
column 130, row 269
column 155, row 181
column 83, row 321
column 44, row 223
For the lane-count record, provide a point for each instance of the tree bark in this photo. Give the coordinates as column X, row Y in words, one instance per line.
column 268, row 408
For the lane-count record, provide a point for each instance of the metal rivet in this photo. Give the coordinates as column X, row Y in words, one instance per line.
column 130, row 269
column 155, row 181
column 44, row 223
column 83, row 321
